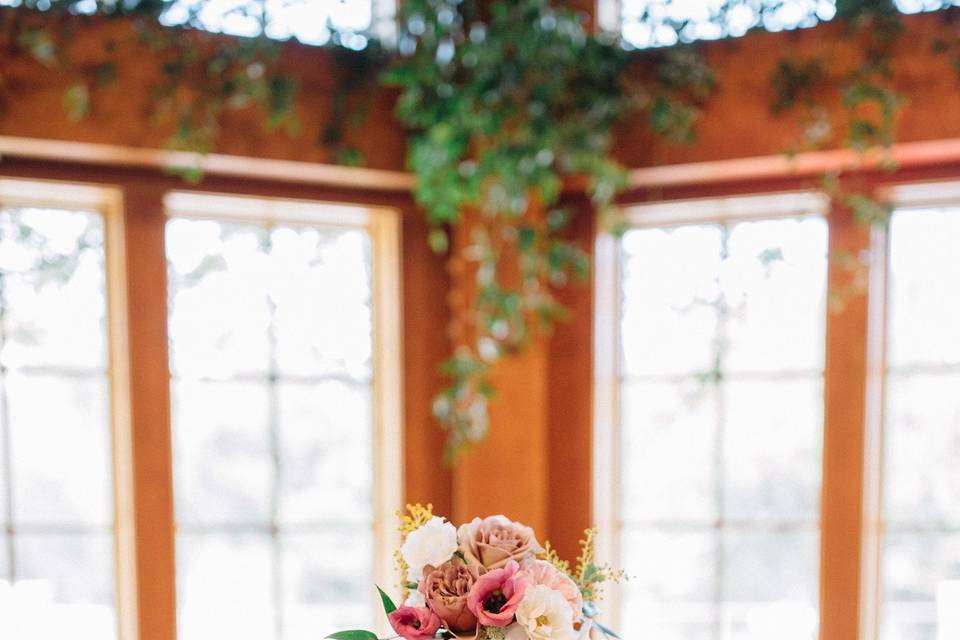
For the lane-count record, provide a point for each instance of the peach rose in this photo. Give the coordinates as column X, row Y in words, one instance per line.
column 445, row 589
column 495, row 541
column 541, row 572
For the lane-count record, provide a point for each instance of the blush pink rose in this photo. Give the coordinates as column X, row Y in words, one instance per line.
column 495, row 541
column 496, row 595
column 415, row 623
column 445, row 589
column 541, row 572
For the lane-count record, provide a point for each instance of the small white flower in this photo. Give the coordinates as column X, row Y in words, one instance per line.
column 415, row 599
column 545, row 614
column 432, row 544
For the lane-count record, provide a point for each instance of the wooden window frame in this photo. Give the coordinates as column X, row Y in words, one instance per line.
column 107, row 202
column 901, row 197
column 854, row 371
column 382, row 224
column 135, row 213
column 607, row 341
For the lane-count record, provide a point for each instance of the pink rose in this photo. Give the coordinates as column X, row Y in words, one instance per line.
column 542, row 572
column 415, row 623
column 496, row 595
column 445, row 589
column 495, row 541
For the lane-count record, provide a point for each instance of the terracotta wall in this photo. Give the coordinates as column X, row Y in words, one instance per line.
column 31, row 103
column 737, row 121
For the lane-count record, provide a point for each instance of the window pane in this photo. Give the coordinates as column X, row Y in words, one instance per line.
column 69, row 581
column 920, row 585
column 924, row 297
column 225, row 586
column 316, row 271
column 326, row 437
column 670, row 565
column 219, row 311
column 722, row 418
column 271, row 332
column 922, row 444
column 223, row 462
column 774, row 282
column 769, row 593
column 669, row 292
column 921, row 554
column 668, row 452
column 56, row 512
column 325, row 591
column 657, row 23
column 60, row 446
column 672, row 583
column 772, row 450
column 310, row 21
column 53, row 286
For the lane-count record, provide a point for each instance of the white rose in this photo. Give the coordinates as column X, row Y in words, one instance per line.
column 545, row 614
column 434, row 543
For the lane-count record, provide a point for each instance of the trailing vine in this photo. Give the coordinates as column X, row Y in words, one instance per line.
column 504, row 106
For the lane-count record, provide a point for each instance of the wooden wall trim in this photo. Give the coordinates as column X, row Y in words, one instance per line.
column 803, row 165
column 286, row 171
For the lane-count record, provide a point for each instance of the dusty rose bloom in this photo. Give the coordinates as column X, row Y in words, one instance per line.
column 541, row 572
column 495, row 541
column 414, row 623
column 445, row 588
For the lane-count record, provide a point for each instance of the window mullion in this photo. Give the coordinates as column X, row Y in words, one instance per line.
column 140, row 385
column 844, row 439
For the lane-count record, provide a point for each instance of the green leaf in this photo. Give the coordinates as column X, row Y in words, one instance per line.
column 388, row 605
column 438, row 239
column 355, row 634
column 76, row 102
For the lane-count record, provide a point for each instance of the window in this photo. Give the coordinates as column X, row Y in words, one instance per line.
column 56, row 497
column 920, row 563
column 309, row 21
column 281, row 375
column 717, row 426
column 658, row 23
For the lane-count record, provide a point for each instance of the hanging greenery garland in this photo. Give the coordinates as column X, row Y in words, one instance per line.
column 506, row 102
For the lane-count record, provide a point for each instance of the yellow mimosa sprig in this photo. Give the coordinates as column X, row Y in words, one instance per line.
column 590, row 576
column 417, row 515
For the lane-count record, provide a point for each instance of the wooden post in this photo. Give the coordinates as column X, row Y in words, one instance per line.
column 141, row 385
column 508, row 472
column 845, row 445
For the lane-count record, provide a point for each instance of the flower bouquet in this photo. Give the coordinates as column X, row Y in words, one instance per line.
column 489, row 580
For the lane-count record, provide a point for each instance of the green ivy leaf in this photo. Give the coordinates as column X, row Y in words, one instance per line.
column 76, row 101
column 388, row 605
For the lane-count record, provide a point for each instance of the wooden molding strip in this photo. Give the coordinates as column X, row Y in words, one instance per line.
column 215, row 164
column 908, row 154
